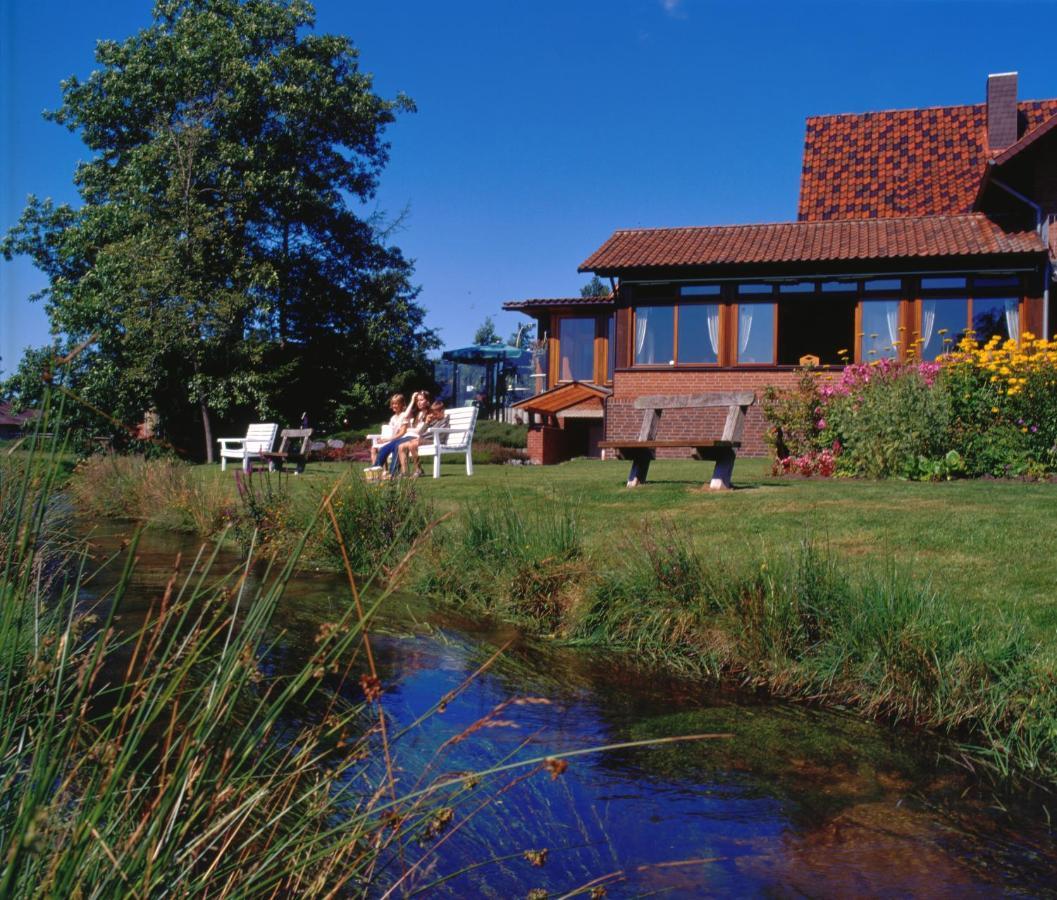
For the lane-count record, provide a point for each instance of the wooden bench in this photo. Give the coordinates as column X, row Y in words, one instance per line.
column 285, row 454
column 722, row 451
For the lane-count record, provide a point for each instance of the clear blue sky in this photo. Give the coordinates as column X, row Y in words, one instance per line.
column 544, row 125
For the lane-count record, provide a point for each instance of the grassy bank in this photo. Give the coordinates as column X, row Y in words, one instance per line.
column 933, row 604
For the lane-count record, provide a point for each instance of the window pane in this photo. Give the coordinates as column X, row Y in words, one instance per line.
column 755, row 289
column 935, row 283
column 883, row 284
column 880, row 329
column 798, row 287
column 576, row 340
column 699, row 333
column 756, row 333
column 654, row 335
column 942, row 326
column 700, row 290
column 838, row 286
column 997, row 281
column 999, row 316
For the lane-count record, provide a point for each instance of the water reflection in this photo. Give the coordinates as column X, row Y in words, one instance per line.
column 798, row 802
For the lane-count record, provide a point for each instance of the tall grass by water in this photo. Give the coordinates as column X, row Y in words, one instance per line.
column 800, row 624
column 174, row 754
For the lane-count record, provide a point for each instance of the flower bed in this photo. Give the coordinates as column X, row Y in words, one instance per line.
column 986, row 409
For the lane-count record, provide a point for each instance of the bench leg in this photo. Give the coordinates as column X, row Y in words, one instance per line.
column 721, row 475
column 223, row 464
column 436, row 465
column 640, row 468
column 469, row 462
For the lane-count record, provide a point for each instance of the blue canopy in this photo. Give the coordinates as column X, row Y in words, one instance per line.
column 483, row 353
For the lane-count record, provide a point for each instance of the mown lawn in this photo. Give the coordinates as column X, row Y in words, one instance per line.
column 982, row 542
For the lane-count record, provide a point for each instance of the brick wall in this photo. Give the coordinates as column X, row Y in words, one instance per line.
column 623, row 420
column 546, row 445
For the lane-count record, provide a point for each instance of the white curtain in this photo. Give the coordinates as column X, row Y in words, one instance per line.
column 892, row 320
column 1013, row 318
column 713, row 329
column 642, row 321
column 745, row 311
column 928, row 323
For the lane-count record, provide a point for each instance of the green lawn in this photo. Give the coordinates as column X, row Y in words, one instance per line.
column 982, row 542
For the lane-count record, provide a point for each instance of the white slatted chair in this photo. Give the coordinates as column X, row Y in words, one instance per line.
column 259, row 439
column 456, row 438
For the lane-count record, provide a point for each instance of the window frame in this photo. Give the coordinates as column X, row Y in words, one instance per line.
column 599, row 350
column 972, row 291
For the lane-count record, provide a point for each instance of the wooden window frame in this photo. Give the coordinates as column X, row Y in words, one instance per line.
column 599, row 353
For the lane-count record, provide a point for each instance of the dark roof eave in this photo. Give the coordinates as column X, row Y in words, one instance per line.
column 821, row 268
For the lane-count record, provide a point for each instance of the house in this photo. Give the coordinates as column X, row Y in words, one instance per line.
column 15, row 424
column 914, row 226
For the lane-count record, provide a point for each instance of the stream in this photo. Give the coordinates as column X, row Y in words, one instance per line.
column 797, row 802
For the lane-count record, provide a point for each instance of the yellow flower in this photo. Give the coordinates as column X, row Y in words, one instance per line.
column 994, row 409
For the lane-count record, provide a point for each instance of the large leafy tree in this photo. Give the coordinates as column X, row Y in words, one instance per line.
column 220, row 260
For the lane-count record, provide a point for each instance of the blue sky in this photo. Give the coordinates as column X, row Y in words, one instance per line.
column 543, row 126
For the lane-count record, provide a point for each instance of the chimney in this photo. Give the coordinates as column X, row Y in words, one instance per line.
column 1001, row 110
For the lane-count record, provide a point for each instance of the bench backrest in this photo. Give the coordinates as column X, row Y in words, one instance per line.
column 462, row 420
column 289, row 437
column 737, row 402
column 260, row 436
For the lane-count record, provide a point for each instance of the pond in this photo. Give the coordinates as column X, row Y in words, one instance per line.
column 795, row 801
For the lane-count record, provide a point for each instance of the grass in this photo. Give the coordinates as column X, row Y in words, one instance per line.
column 927, row 603
column 985, row 544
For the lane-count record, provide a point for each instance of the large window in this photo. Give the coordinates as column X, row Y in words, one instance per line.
column 879, row 329
column 654, row 335
column 756, row 338
column 699, row 333
column 576, row 343
column 952, row 307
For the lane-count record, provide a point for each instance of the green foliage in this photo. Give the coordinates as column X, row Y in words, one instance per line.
column 486, row 333
column 506, row 561
column 887, row 425
column 595, row 288
column 217, row 265
column 378, row 524
column 502, row 433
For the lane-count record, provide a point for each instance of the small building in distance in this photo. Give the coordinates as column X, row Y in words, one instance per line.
column 914, row 227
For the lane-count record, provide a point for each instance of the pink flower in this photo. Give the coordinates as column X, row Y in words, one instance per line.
column 821, row 424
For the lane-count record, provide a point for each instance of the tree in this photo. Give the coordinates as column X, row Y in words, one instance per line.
column 595, row 288
column 486, row 333
column 523, row 337
column 217, row 259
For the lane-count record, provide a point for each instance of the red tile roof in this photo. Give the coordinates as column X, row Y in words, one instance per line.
column 897, row 163
column 785, row 242
column 544, row 303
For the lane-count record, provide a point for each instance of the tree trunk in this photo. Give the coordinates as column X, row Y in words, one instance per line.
column 207, row 428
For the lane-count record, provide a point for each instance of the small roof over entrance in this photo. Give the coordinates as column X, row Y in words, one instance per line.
column 572, row 393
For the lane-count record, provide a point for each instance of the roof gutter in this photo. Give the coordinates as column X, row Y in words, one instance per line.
column 1042, row 229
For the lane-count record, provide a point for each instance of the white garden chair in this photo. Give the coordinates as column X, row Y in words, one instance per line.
column 456, row 438
column 258, row 440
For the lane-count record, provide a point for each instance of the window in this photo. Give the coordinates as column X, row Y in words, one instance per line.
column 891, row 285
column 699, row 290
column 699, row 333
column 996, row 316
column 611, row 347
column 756, row 333
column 576, row 345
column 879, row 330
column 943, row 325
column 798, row 287
column 943, row 284
column 654, row 335
column 755, row 289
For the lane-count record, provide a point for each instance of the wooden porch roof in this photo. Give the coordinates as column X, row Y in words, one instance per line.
column 564, row 396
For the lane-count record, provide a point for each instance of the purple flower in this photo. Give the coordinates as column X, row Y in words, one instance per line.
column 1033, row 428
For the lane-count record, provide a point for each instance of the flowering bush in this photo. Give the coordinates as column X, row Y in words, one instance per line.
column 986, row 409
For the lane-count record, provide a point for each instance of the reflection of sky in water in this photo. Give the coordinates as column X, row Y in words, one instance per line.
column 593, row 819
column 801, row 802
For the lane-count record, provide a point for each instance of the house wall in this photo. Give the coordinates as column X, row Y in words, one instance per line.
column 623, row 420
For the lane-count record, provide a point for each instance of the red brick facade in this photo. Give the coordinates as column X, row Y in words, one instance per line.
column 623, row 420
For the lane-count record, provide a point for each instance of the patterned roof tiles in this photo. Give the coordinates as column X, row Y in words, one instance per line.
column 898, row 163
column 785, row 242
